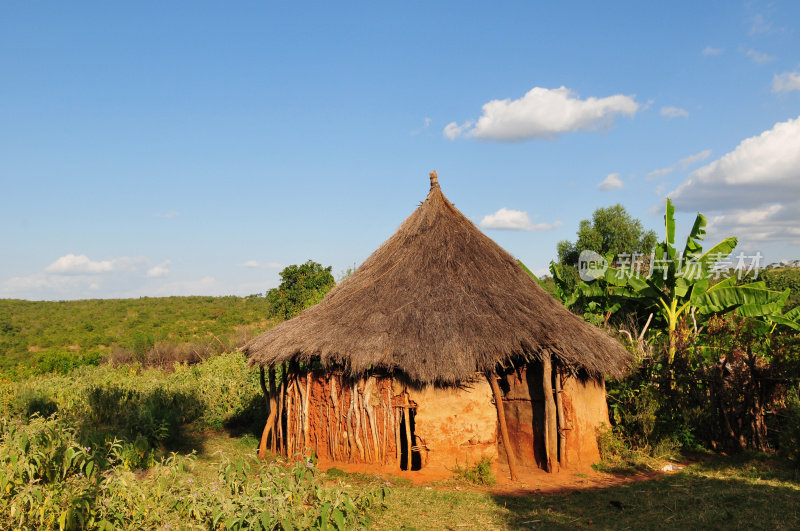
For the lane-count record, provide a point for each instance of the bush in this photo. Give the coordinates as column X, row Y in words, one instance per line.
column 49, row 480
column 480, row 473
column 790, row 434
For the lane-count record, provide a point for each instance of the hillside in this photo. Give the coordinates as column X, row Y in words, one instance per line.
column 41, row 336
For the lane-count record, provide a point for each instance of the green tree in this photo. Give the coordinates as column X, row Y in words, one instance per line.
column 680, row 287
column 301, row 286
column 611, row 230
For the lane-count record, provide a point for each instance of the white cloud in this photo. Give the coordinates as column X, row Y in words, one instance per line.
column 255, row 264
column 425, row 124
column 660, row 189
column 691, row 160
column 708, row 50
column 81, row 264
column 660, row 173
column 169, row 215
column 759, row 25
column 543, row 113
column 752, row 191
column 610, row 182
column 759, row 57
column 207, row 285
column 453, row 130
column 507, row 219
column 786, row 82
column 161, row 270
column 684, row 164
column 674, row 112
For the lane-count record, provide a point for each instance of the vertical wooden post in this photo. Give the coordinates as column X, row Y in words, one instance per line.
column 501, row 415
column 408, row 435
column 307, row 413
column 281, row 402
column 269, row 427
column 550, row 415
column 562, row 420
column 397, row 452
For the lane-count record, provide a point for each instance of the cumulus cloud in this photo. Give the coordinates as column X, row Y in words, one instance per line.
column 752, row 191
column 786, row 82
column 507, row 219
column 453, row 130
column 674, row 112
column 72, row 264
column 684, row 164
column 708, row 50
column 610, row 182
column 161, row 270
column 255, row 264
column 543, row 113
column 759, row 57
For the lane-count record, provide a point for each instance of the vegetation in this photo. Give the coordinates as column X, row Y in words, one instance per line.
column 612, row 230
column 479, row 474
column 51, row 480
column 718, row 356
column 41, row 336
column 301, row 286
column 749, row 490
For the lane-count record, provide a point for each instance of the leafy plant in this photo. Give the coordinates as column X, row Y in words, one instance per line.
column 480, row 473
column 301, row 286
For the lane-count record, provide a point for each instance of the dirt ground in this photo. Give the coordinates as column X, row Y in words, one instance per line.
column 532, row 480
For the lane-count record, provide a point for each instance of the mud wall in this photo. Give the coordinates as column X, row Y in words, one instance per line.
column 585, row 409
column 523, row 404
column 585, row 403
column 455, row 425
column 364, row 421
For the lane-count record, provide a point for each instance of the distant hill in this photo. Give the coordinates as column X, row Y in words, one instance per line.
column 42, row 336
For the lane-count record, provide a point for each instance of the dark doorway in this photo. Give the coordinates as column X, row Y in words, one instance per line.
column 416, row 457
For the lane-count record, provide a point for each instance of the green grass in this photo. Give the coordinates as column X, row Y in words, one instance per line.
column 721, row 493
column 45, row 336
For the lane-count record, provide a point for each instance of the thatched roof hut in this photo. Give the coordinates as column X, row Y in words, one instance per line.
column 437, row 303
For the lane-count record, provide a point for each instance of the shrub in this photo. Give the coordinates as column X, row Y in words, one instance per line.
column 49, row 480
column 790, row 434
column 480, row 473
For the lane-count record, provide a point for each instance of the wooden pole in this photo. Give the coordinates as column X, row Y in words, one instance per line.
column 307, row 414
column 550, row 415
column 408, row 437
column 562, row 420
column 269, row 427
column 501, row 415
column 281, row 401
column 397, row 452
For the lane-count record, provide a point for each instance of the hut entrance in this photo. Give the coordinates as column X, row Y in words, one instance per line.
column 407, row 435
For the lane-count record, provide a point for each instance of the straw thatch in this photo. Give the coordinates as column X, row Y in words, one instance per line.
column 437, row 301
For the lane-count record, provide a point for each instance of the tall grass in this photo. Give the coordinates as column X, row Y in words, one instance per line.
column 49, row 479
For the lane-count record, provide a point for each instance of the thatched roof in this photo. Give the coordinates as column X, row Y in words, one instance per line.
column 438, row 301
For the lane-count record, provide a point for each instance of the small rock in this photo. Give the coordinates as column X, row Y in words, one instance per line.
column 669, row 467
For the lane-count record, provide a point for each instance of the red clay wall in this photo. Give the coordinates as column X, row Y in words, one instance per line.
column 523, row 403
column 456, row 425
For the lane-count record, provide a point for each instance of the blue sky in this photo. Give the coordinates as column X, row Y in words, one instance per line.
column 196, row 148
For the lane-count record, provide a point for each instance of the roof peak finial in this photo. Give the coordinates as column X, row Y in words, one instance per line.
column 434, row 180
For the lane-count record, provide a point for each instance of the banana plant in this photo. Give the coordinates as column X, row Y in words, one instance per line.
column 679, row 286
